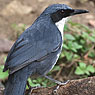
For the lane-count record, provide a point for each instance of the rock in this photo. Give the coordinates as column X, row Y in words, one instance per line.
column 5, row 45
column 91, row 23
column 89, row 16
column 15, row 7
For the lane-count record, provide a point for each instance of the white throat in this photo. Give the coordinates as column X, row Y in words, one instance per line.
column 60, row 25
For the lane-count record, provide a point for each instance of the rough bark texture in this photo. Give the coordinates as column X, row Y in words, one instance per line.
column 84, row 86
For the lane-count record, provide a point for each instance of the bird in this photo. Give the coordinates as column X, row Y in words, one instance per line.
column 37, row 49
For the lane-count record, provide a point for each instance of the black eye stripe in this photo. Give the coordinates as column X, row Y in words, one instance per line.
column 69, row 11
column 58, row 15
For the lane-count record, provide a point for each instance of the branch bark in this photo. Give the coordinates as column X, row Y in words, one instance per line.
column 84, row 86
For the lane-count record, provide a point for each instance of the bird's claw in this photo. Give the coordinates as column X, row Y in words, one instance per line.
column 55, row 90
column 64, row 83
column 36, row 87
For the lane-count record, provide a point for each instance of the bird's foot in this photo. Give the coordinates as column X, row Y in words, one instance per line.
column 36, row 87
column 28, row 91
column 59, row 84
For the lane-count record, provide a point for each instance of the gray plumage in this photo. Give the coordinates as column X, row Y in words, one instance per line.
column 34, row 43
column 37, row 49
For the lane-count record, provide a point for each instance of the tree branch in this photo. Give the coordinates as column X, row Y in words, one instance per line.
column 84, row 86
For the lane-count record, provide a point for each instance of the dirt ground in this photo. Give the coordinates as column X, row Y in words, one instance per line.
column 8, row 17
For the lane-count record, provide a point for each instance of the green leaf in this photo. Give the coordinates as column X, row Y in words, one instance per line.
column 78, row 71
column 74, row 50
column 82, row 65
column 61, row 55
column 69, row 37
column 85, row 35
column 3, row 75
column 56, row 68
column 77, row 46
column 44, row 84
column 31, row 83
column 65, row 27
column 87, row 72
column 92, row 54
column 82, row 41
column 5, row 57
column 75, row 56
column 90, row 68
column 71, row 46
column 68, row 55
column 92, row 39
column 65, row 46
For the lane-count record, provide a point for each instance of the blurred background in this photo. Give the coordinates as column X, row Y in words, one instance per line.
column 77, row 59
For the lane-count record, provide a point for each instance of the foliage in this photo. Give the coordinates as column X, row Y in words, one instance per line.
column 78, row 47
column 83, row 69
column 3, row 75
column 78, row 51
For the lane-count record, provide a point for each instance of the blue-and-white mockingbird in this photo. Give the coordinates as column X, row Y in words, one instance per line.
column 37, row 49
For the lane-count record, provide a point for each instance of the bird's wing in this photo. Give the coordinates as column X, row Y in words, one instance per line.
column 31, row 46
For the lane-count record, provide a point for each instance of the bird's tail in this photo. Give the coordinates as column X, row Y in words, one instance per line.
column 16, row 83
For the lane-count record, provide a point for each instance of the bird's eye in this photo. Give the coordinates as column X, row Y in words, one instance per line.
column 62, row 11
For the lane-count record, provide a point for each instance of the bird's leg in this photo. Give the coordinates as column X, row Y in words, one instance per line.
column 55, row 90
column 36, row 87
column 57, row 82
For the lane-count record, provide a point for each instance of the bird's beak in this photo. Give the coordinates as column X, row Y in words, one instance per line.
column 78, row 11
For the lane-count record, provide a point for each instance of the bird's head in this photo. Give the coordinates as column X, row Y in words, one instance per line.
column 60, row 11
